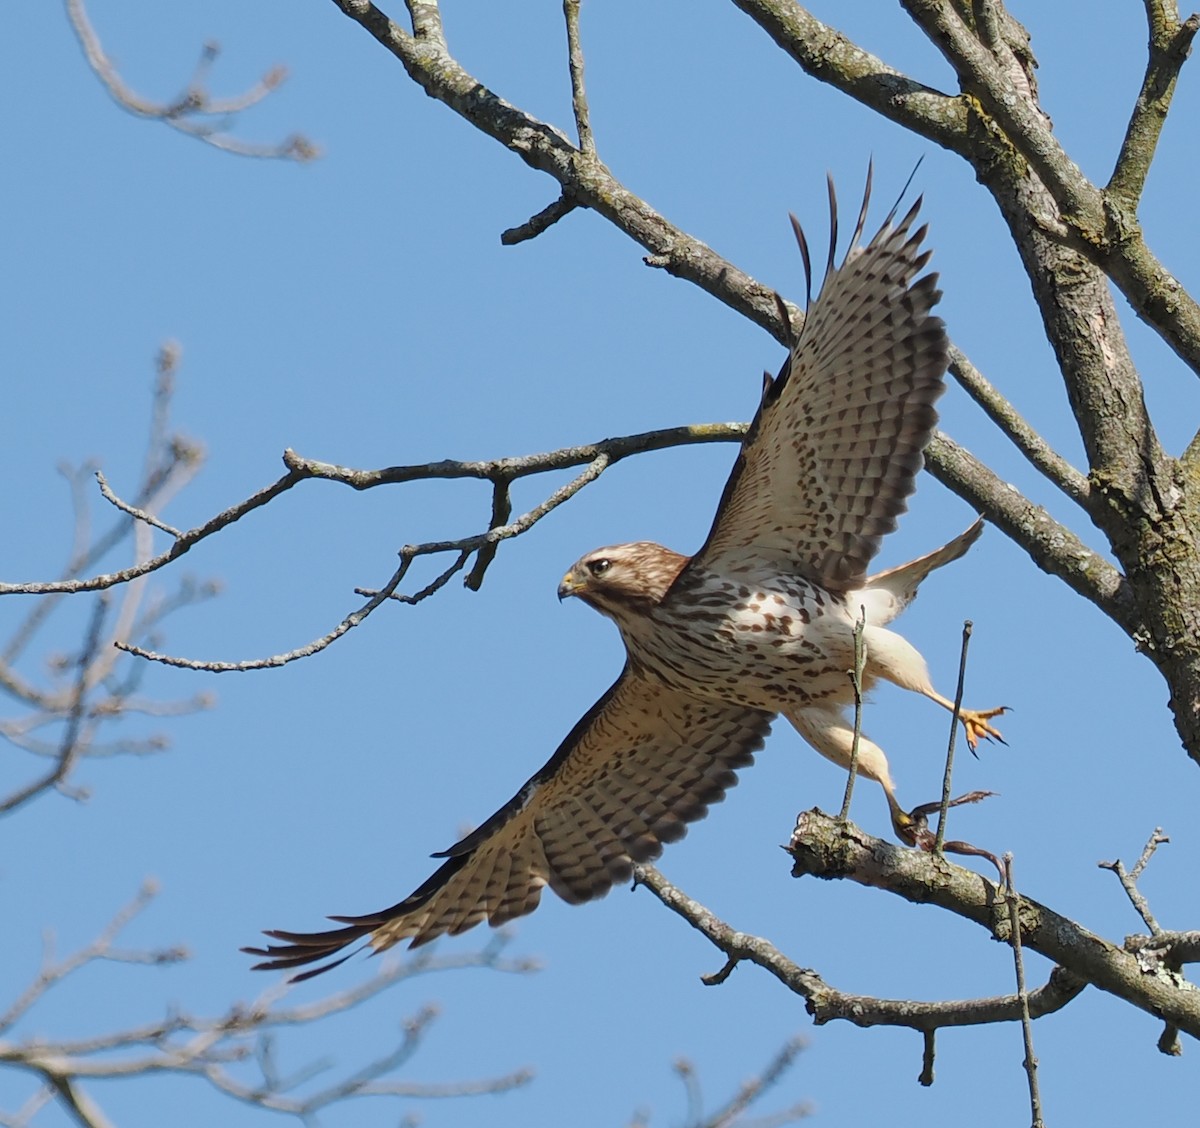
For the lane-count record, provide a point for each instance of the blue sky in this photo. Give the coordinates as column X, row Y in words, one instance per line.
column 362, row 311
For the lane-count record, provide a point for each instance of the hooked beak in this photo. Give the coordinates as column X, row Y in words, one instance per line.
column 572, row 584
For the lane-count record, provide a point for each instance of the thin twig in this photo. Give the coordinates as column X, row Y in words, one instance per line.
column 501, row 512
column 928, row 1055
column 948, row 775
column 856, row 683
column 275, row 660
column 77, row 1102
column 752, row 1091
column 1013, row 901
column 186, row 542
column 207, row 1047
column 301, row 469
column 1129, row 880
column 193, row 113
column 133, row 511
column 535, row 225
column 464, row 547
column 73, row 741
column 579, row 103
column 53, row 971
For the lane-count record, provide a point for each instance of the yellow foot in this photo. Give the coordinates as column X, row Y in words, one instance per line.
column 912, row 830
column 975, row 721
column 912, row 827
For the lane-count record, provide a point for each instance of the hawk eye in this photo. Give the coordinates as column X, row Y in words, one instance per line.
column 599, row 567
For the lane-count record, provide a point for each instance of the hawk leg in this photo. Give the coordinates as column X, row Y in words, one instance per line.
column 895, row 659
column 825, row 728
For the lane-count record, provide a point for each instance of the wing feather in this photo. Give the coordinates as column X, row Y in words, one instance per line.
column 643, row 762
column 834, row 451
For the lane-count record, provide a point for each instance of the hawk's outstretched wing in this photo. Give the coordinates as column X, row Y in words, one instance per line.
column 836, row 445
column 642, row 763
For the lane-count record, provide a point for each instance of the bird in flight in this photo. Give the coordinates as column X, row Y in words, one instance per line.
column 759, row 622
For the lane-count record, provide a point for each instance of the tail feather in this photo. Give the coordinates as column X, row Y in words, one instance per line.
column 886, row 594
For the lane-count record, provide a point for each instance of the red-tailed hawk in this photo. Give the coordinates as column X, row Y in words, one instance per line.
column 759, row 622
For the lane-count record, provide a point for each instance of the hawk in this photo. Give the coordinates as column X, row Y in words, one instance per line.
column 758, row 623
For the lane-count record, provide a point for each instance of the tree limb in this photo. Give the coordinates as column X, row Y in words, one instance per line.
column 194, row 113
column 826, row 1003
column 820, row 848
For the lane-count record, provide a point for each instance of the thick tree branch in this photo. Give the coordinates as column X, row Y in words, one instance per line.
column 998, row 79
column 1104, row 226
column 828, row 55
column 991, row 73
column 1039, row 453
column 825, row 848
column 1050, row 545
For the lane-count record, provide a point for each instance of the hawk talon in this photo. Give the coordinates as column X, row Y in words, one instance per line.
column 957, row 847
column 912, row 827
column 975, row 722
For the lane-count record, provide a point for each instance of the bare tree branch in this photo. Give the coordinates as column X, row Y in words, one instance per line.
column 1013, row 902
column 582, row 176
column 1100, row 225
column 820, row 849
column 826, row 1003
column 1073, row 238
column 535, row 225
column 1169, row 46
column 194, row 113
column 73, row 741
column 1051, row 546
column 186, row 1044
column 497, row 470
column 65, row 720
column 733, row 1113
column 1128, row 880
column 829, row 56
column 1039, row 453
column 583, row 124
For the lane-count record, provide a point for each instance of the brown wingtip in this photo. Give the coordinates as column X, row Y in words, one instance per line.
column 300, row 948
column 802, row 243
column 833, row 228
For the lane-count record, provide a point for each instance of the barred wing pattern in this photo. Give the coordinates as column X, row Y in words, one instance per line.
column 643, row 763
column 837, row 443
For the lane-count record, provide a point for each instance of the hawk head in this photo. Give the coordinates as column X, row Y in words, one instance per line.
column 623, row 579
